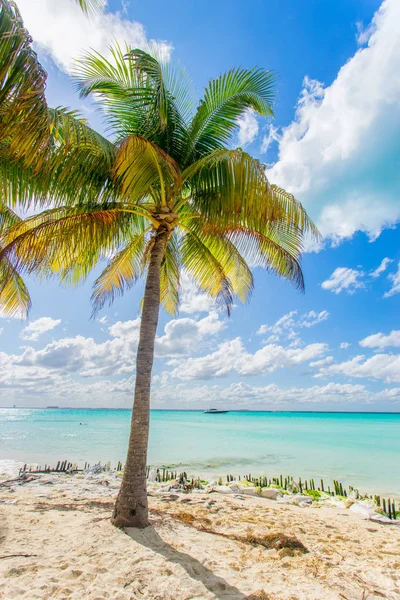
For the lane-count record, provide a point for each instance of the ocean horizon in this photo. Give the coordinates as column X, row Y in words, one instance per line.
column 357, row 448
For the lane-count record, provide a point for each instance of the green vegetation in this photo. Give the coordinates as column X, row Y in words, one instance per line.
column 315, row 494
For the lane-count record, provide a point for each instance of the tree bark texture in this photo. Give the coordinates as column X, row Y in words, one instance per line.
column 131, row 507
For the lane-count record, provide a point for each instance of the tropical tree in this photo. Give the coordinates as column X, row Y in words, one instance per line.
column 168, row 194
column 28, row 132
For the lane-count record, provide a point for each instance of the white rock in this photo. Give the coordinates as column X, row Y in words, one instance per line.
column 364, row 510
column 378, row 518
column 284, row 499
column 270, row 493
column 302, row 499
column 338, row 503
column 248, row 491
column 212, row 483
column 224, row 489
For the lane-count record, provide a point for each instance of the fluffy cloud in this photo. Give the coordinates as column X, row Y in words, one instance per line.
column 380, row 366
column 248, row 128
column 395, row 279
column 182, row 336
column 345, row 345
column 36, row 328
column 343, row 279
column 351, row 280
column 63, row 31
column 379, row 340
column 192, row 300
column 87, row 358
column 337, row 156
column 241, row 394
column 231, row 356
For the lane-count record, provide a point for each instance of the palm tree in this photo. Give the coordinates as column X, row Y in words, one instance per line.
column 169, row 194
column 28, row 131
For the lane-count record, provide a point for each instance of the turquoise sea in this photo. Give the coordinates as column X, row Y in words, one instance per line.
column 360, row 449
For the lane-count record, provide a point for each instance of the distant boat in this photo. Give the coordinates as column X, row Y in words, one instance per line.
column 215, row 411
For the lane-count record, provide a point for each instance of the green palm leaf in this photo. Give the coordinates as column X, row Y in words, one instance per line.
column 225, row 100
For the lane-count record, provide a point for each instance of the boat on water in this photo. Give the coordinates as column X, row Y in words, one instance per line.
column 215, row 411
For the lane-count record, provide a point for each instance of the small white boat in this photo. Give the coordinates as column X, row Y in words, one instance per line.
column 215, row 411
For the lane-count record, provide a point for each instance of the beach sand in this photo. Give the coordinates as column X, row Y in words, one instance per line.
column 62, row 522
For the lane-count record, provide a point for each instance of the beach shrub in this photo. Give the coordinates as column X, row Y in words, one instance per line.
column 315, row 494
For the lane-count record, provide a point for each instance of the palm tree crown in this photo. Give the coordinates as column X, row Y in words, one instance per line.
column 168, row 169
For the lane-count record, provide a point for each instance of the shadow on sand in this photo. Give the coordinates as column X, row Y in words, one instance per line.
column 216, row 585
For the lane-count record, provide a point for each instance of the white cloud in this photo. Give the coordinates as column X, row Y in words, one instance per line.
column 395, row 278
column 321, row 363
column 58, row 372
column 343, row 279
column 382, row 268
column 231, row 356
column 241, row 394
column 182, row 336
column 272, row 136
column 337, row 156
column 345, row 345
column 62, row 30
column 290, row 323
column 313, row 318
column 379, row 340
column 380, row 366
column 87, row 358
column 36, row 328
column 248, row 128
column 192, row 300
column 128, row 330
column 364, row 33
column 350, row 280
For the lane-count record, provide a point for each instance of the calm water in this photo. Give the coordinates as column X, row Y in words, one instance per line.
column 362, row 450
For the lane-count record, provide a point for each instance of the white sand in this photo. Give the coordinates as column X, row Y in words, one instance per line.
column 79, row 555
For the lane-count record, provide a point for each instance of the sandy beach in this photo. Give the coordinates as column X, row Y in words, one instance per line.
column 206, row 545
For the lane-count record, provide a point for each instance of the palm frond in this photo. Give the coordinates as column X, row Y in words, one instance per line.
column 141, row 168
column 141, row 95
column 91, row 7
column 15, row 301
column 228, row 256
column 23, row 107
column 205, row 269
column 79, row 169
column 122, row 271
column 230, row 186
column 225, row 100
column 278, row 250
column 64, row 238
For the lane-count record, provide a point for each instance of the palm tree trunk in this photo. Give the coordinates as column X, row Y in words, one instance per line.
column 131, row 508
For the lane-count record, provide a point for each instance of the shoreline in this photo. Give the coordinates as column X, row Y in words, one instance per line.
column 13, row 467
column 202, row 545
column 284, row 489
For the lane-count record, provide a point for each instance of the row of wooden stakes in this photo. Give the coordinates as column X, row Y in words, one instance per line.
column 388, row 506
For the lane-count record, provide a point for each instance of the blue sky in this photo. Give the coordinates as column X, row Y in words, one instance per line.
column 333, row 142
